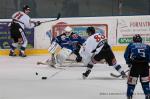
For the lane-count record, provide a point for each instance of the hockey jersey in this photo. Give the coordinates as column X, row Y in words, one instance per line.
column 70, row 42
column 138, row 52
column 23, row 19
column 92, row 45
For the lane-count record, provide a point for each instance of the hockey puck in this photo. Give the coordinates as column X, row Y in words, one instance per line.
column 36, row 73
column 44, row 78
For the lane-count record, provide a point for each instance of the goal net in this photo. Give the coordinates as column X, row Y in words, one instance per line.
column 79, row 29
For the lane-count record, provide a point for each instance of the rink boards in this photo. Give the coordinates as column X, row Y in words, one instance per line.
column 45, row 51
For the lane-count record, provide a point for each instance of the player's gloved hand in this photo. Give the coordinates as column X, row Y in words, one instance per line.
column 37, row 23
column 78, row 59
column 129, row 65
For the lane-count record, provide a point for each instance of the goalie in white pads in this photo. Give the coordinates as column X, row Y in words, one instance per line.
column 64, row 45
column 95, row 49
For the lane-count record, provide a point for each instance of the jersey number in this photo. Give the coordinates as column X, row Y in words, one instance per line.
column 99, row 37
column 18, row 15
column 141, row 52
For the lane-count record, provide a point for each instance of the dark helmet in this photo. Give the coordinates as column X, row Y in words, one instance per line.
column 90, row 30
column 26, row 7
column 137, row 38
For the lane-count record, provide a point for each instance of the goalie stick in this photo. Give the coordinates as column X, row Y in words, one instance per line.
column 45, row 63
column 58, row 16
column 119, row 75
column 70, row 61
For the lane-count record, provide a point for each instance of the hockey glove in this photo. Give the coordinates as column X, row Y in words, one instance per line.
column 129, row 65
column 78, row 59
column 37, row 23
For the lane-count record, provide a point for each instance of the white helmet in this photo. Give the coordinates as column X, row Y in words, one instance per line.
column 68, row 29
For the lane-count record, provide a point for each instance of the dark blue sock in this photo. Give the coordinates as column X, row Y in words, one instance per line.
column 146, row 88
column 130, row 90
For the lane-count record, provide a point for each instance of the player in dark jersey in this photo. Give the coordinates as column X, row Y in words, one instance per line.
column 70, row 41
column 137, row 56
column 63, row 46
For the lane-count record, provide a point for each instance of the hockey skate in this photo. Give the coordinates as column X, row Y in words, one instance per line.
column 22, row 54
column 129, row 97
column 86, row 74
column 11, row 53
column 147, row 97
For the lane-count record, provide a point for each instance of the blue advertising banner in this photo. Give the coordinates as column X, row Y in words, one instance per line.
column 5, row 39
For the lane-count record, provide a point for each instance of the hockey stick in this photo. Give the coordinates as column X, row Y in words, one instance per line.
column 45, row 63
column 117, row 76
column 58, row 16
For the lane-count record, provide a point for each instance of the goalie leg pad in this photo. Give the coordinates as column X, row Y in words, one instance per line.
column 54, row 48
column 63, row 55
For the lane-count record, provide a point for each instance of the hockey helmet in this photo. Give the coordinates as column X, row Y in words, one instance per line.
column 137, row 38
column 90, row 30
column 26, row 7
column 68, row 29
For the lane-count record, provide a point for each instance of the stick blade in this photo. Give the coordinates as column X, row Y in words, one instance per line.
column 114, row 75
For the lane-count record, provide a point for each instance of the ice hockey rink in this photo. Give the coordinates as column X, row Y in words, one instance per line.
column 18, row 80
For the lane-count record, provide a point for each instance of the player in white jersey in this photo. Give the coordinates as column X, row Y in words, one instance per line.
column 20, row 21
column 95, row 49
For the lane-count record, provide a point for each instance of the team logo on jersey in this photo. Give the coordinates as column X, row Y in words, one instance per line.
column 74, row 36
column 63, row 37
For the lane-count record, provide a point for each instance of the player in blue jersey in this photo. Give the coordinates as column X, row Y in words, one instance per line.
column 64, row 45
column 70, row 41
column 137, row 56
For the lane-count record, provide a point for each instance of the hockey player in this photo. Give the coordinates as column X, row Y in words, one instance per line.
column 95, row 49
column 68, row 42
column 20, row 21
column 137, row 56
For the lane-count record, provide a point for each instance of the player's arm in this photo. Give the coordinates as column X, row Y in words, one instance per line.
column 30, row 24
column 58, row 40
column 149, row 52
column 27, row 22
column 127, row 54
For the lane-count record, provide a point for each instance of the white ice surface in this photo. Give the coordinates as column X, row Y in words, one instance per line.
column 19, row 81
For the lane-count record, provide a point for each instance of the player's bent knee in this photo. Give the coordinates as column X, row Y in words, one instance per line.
column 132, row 80
column 144, row 79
